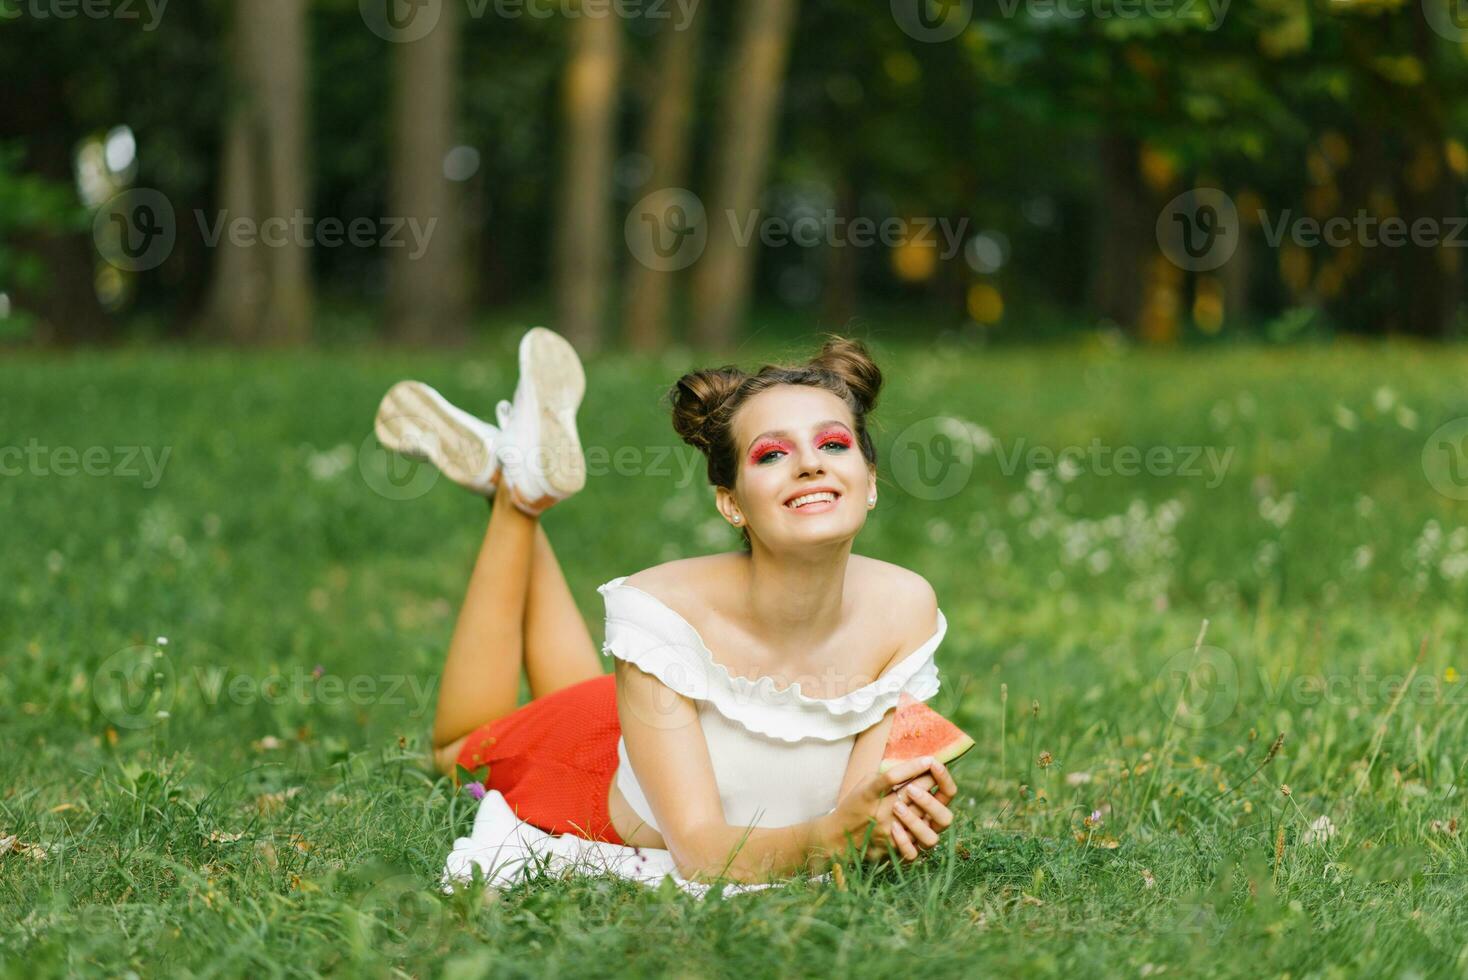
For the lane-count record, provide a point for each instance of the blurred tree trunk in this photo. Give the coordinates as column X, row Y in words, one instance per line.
column 583, row 241
column 1432, row 281
column 262, row 292
column 665, row 143
column 1237, row 277
column 750, row 108
column 65, row 300
column 1124, row 232
column 839, row 302
column 426, row 294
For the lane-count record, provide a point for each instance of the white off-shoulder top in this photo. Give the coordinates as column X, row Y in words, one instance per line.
column 778, row 755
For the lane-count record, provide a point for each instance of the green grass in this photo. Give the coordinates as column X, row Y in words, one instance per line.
column 1322, row 558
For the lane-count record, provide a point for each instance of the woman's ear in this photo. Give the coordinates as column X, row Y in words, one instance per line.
column 871, row 482
column 724, row 500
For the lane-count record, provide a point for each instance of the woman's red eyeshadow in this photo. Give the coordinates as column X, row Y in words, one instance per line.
column 764, row 446
column 834, row 435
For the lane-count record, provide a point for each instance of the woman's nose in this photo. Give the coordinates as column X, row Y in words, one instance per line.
column 809, row 460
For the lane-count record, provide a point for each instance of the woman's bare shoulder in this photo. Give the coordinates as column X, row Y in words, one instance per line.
column 684, row 578
column 906, row 599
column 873, row 575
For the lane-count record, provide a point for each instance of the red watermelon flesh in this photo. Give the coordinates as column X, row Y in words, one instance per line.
column 918, row 730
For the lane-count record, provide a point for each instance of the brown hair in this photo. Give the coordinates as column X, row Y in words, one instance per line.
column 704, row 402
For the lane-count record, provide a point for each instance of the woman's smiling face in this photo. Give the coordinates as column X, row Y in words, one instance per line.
column 802, row 478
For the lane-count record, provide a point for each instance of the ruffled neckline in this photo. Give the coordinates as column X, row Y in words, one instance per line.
column 782, row 712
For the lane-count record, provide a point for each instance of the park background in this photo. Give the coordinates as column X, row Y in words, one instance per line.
column 1175, row 425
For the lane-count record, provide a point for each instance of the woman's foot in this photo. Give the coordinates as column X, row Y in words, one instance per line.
column 419, row 423
column 538, row 448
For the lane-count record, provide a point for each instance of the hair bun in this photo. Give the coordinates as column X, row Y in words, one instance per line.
column 849, row 360
column 697, row 397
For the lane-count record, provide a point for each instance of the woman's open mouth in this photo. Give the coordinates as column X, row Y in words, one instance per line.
column 813, row 501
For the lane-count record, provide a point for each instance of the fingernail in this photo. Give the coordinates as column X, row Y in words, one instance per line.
column 899, row 807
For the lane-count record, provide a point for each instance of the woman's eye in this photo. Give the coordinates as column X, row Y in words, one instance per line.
column 834, row 442
column 764, row 456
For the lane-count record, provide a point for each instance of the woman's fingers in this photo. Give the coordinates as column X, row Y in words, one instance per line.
column 917, row 827
column 938, row 814
column 903, row 841
column 901, row 773
column 944, row 779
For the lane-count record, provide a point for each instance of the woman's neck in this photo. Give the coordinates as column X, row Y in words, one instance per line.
column 792, row 597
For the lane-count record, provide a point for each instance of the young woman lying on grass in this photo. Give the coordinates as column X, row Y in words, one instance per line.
column 753, row 691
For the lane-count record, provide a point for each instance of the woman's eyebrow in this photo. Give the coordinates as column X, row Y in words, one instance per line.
column 782, row 434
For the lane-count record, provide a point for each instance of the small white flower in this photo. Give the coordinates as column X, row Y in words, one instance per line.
column 162, row 641
column 1320, row 831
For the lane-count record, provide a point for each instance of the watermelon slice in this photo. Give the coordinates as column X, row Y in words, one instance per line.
column 918, row 730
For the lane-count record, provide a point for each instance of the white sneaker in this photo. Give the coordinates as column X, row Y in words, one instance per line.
column 538, row 448
column 418, row 422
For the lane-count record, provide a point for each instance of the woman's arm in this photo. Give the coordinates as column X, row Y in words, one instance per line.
column 670, row 756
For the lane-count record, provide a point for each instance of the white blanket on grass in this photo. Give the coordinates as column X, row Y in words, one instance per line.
column 507, row 850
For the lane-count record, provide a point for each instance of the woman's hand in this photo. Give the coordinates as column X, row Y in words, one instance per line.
column 874, row 804
column 919, row 817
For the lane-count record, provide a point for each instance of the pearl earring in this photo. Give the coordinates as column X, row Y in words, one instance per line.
column 737, row 519
column 872, row 500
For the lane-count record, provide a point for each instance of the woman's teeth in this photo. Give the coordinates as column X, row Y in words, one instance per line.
column 810, row 498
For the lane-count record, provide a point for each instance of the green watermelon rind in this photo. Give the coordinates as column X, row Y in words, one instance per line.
column 945, row 754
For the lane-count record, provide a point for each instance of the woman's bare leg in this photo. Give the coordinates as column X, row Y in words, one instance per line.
column 518, row 610
column 481, row 676
column 559, row 651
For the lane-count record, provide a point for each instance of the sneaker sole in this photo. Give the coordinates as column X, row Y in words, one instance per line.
column 559, row 381
column 419, row 423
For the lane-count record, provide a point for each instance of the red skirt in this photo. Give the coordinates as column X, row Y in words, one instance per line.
column 553, row 759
